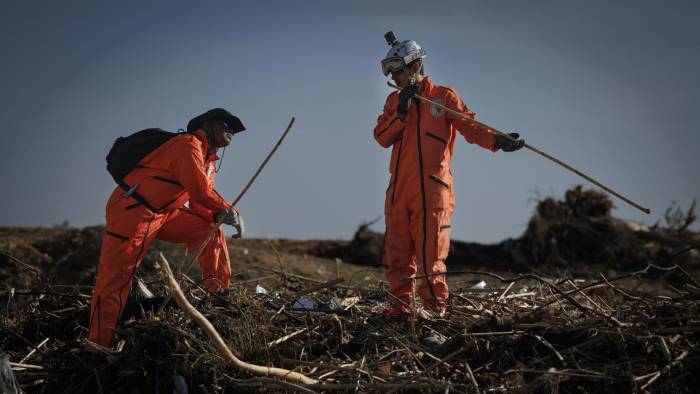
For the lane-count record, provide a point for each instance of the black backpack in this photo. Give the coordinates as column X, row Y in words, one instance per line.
column 128, row 151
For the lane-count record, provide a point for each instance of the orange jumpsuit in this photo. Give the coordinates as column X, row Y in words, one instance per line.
column 178, row 171
column 420, row 196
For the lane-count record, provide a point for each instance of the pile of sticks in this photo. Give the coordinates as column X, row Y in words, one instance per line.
column 527, row 333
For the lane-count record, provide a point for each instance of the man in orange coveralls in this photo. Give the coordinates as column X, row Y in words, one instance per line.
column 420, row 197
column 180, row 170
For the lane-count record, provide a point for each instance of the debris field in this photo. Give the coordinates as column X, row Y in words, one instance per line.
column 567, row 321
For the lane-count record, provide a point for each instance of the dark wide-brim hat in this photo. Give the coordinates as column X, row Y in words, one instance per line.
column 214, row 115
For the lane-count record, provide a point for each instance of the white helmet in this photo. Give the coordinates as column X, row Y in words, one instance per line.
column 401, row 53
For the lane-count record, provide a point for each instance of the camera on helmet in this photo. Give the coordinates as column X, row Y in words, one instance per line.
column 390, row 38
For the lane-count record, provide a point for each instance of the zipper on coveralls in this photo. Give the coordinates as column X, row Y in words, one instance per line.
column 425, row 208
column 396, row 172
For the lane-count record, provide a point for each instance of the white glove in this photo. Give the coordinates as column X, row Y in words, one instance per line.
column 240, row 226
column 233, row 218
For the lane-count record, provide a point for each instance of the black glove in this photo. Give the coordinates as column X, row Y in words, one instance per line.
column 405, row 97
column 506, row 144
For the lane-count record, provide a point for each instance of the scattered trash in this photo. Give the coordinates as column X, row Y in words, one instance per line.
column 479, row 286
column 335, row 303
column 260, row 290
column 432, row 342
column 349, row 301
column 8, row 384
column 304, row 304
column 143, row 290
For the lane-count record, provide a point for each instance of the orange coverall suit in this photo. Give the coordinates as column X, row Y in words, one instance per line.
column 178, row 171
column 420, row 197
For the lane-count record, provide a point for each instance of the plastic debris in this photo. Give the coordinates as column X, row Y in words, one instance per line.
column 304, row 304
column 432, row 342
column 347, row 301
column 143, row 290
column 479, row 286
column 8, row 384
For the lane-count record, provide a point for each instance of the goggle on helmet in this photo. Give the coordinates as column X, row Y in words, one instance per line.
column 401, row 54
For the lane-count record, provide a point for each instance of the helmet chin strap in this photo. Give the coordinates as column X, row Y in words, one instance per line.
column 221, row 161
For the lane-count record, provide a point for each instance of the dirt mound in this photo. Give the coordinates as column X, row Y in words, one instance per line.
column 577, row 203
column 569, row 234
column 579, row 230
column 60, row 256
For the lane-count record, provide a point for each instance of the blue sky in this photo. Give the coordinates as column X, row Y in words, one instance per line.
column 610, row 87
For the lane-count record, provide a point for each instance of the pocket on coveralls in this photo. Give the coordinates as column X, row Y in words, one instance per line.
column 443, row 234
column 439, row 193
column 129, row 226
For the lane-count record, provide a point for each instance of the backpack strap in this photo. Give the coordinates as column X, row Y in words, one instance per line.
column 130, row 191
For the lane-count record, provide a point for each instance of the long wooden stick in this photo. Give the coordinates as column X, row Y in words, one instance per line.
column 532, row 148
column 213, row 232
column 219, row 344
